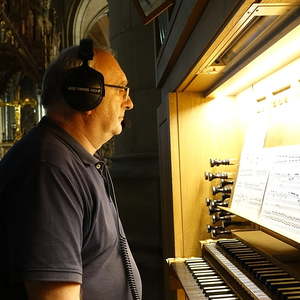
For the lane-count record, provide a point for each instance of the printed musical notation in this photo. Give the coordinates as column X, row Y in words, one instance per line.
column 253, row 170
column 281, row 204
column 251, row 183
column 268, row 189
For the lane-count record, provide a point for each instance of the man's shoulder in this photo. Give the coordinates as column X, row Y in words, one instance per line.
column 39, row 145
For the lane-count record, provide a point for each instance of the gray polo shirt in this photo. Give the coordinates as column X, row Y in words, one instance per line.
column 58, row 222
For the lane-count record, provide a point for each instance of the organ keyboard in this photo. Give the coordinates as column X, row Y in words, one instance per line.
column 232, row 269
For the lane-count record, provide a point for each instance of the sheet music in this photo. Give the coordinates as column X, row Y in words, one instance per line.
column 281, row 203
column 251, row 183
column 253, row 170
column 267, row 189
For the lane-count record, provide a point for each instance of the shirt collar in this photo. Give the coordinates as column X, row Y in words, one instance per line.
column 85, row 156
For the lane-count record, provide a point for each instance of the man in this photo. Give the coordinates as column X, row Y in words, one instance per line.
column 61, row 234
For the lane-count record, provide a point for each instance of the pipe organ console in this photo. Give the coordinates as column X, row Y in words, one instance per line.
column 234, row 269
column 253, row 247
column 242, row 241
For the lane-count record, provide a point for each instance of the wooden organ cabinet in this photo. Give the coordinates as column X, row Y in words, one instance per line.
column 239, row 103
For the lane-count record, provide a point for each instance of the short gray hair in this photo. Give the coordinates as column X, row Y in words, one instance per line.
column 53, row 80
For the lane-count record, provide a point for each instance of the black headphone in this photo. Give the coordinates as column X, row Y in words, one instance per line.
column 83, row 87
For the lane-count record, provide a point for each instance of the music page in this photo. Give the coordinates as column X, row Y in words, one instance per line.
column 281, row 204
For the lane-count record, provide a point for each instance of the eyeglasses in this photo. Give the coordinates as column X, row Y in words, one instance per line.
column 125, row 88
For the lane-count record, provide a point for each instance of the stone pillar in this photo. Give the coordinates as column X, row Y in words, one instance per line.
column 135, row 160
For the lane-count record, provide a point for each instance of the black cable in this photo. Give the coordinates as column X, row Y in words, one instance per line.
column 128, row 268
column 122, row 239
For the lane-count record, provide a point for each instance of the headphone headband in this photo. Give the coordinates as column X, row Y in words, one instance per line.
column 86, row 50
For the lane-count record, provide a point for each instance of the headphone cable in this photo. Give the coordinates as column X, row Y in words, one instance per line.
column 122, row 239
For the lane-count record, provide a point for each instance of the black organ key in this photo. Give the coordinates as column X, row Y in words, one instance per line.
column 267, row 270
column 284, row 279
column 288, row 289
column 251, row 266
column 285, row 283
column 245, row 256
column 275, row 279
column 284, row 295
column 240, row 251
column 234, row 246
column 266, row 276
column 248, row 257
column 245, row 261
column 273, row 268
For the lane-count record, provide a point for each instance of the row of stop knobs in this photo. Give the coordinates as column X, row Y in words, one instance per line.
column 220, row 219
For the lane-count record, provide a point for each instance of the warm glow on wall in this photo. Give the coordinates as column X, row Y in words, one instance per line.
column 285, row 78
column 284, row 51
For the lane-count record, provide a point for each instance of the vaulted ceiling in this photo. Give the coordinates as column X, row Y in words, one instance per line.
column 88, row 17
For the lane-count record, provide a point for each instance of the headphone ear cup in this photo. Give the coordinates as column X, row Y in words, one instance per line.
column 83, row 88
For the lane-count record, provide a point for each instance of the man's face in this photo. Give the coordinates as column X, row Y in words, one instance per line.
column 109, row 115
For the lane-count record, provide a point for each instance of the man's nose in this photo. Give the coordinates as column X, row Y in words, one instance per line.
column 129, row 104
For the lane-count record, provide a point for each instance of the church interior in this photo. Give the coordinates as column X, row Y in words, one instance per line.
column 208, row 158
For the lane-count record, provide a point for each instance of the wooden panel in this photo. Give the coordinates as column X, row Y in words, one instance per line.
column 167, row 223
column 206, row 129
column 166, row 193
column 175, row 174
